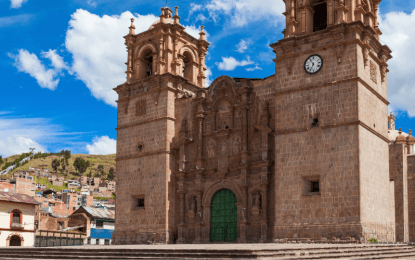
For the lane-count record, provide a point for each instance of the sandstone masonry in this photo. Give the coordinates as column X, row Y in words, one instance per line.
column 306, row 155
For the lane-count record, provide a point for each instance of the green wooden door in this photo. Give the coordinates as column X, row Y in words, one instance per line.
column 223, row 222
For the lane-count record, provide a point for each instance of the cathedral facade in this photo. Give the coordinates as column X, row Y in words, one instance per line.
column 302, row 155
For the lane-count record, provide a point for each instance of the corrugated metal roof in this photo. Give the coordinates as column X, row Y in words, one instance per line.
column 100, row 212
column 17, row 197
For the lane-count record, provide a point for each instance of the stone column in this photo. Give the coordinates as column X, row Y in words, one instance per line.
column 181, row 238
column 160, row 60
column 130, row 64
column 244, row 111
column 198, row 224
column 206, row 221
column 200, row 139
column 154, row 65
column 264, row 207
column 330, row 12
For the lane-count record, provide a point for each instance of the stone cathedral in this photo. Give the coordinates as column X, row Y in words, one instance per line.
column 308, row 154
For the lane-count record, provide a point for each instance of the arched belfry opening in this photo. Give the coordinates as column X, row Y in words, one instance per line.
column 187, row 70
column 320, row 16
column 145, row 67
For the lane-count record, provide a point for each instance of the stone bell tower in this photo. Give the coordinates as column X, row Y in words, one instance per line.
column 331, row 165
column 164, row 63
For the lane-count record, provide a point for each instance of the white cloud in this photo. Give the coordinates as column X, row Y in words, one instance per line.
column 92, row 3
column 103, row 146
column 399, row 35
column 17, row 3
column 193, row 8
column 29, row 63
column 12, row 145
column 242, row 46
column 242, row 12
column 40, row 132
column 97, row 47
column 57, row 61
column 17, row 19
column 230, row 63
column 254, row 68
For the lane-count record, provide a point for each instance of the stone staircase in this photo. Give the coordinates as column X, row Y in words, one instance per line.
column 306, row 251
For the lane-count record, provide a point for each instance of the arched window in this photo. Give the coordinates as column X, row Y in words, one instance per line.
column 145, row 64
column 16, row 217
column 320, row 16
column 187, row 66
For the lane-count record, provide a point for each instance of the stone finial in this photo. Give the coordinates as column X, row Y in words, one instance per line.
column 176, row 15
column 132, row 27
column 202, row 33
column 410, row 139
column 400, row 139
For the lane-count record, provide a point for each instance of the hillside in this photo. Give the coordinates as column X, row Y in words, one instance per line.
column 107, row 161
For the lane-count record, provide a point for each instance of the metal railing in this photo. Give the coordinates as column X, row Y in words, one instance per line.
column 56, row 238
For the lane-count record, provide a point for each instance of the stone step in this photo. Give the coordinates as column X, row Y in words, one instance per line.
column 147, row 250
column 162, row 255
column 341, row 252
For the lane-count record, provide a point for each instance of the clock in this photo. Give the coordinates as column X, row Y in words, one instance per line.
column 313, row 64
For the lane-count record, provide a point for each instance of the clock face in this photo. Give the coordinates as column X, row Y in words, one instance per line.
column 313, row 64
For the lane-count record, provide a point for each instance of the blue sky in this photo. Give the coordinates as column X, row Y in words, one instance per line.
column 59, row 61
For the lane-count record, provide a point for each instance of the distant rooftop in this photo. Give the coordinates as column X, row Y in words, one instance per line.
column 17, row 197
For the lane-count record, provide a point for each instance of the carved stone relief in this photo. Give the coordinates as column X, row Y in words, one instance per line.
column 373, row 72
column 211, row 149
column 236, row 146
column 223, row 147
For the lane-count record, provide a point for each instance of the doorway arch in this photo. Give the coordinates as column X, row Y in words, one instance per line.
column 224, row 217
column 15, row 241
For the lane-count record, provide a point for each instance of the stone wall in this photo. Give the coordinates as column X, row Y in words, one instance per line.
column 398, row 170
column 411, row 197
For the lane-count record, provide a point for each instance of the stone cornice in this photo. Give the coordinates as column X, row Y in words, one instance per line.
column 354, row 79
column 146, row 122
column 316, row 36
column 118, row 159
column 360, row 123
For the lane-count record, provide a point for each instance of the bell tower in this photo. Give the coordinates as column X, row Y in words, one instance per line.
column 331, row 162
column 164, row 63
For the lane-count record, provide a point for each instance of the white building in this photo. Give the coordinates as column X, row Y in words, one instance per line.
column 17, row 219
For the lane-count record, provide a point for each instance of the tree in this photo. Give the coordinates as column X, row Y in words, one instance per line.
column 111, row 174
column 1, row 159
column 67, row 154
column 89, row 174
column 100, row 169
column 81, row 165
column 63, row 164
column 55, row 164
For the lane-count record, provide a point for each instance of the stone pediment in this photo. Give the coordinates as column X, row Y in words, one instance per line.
column 224, row 86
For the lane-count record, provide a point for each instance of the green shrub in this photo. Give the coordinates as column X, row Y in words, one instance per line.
column 373, row 240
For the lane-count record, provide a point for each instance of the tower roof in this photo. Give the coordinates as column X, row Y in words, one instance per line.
column 167, row 21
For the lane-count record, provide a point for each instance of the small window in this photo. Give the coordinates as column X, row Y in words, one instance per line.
column 16, row 217
column 61, row 225
column 100, row 224
column 314, row 123
column 315, row 186
column 140, row 203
